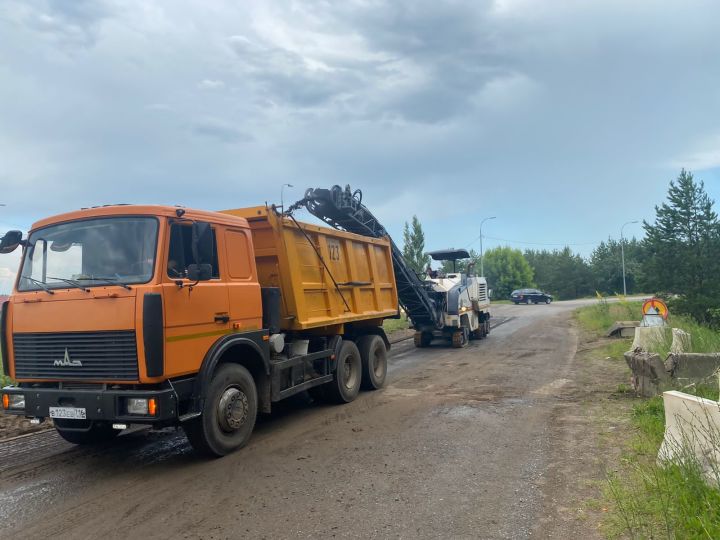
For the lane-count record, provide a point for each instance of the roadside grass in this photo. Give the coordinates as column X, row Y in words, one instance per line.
column 393, row 325
column 645, row 499
column 599, row 317
column 648, row 500
column 703, row 339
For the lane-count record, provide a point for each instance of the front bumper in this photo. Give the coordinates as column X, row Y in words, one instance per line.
column 109, row 405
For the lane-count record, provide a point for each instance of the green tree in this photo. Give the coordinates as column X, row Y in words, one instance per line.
column 561, row 272
column 606, row 265
column 506, row 270
column 414, row 246
column 683, row 246
column 461, row 266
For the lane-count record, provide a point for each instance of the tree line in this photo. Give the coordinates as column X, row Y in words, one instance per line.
column 678, row 258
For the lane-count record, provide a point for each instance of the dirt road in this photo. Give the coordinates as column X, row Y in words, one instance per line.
column 483, row 442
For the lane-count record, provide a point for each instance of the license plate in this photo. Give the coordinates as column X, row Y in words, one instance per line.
column 75, row 413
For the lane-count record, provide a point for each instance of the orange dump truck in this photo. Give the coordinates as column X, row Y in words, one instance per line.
column 176, row 317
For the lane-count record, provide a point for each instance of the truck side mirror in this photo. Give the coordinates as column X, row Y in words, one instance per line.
column 202, row 243
column 10, row 241
column 199, row 272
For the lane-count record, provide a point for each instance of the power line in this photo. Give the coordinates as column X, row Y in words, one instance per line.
column 563, row 244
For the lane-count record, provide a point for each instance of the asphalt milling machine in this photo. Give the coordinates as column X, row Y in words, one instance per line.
column 454, row 306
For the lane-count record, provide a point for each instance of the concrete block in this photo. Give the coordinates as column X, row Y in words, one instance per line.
column 688, row 369
column 623, row 329
column 650, row 338
column 692, row 432
column 649, row 376
column 681, row 341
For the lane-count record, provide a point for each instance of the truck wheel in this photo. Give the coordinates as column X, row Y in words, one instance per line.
column 422, row 339
column 345, row 386
column 228, row 415
column 96, row 432
column 374, row 361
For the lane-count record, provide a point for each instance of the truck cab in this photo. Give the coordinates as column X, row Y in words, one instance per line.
column 156, row 315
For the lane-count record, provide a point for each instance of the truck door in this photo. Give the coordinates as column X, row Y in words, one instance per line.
column 243, row 286
column 196, row 314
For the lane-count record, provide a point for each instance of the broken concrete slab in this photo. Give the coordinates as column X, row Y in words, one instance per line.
column 623, row 329
column 649, row 375
column 693, row 369
column 692, row 432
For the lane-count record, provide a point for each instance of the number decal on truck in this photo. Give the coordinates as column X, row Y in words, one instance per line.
column 334, row 250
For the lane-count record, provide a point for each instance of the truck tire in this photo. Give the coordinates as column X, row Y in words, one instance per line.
column 422, row 339
column 96, row 432
column 374, row 361
column 228, row 415
column 345, row 386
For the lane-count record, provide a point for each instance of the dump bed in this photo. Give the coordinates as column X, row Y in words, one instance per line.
column 326, row 277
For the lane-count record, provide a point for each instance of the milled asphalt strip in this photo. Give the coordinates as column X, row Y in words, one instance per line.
column 44, row 444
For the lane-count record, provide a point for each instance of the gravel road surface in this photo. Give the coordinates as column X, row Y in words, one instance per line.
column 461, row 443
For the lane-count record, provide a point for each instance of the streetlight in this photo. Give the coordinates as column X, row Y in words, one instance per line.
column 482, row 269
column 282, row 205
column 622, row 253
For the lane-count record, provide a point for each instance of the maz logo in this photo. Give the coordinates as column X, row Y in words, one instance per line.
column 67, row 362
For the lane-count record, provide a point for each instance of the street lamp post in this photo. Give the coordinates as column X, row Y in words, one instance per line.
column 282, row 205
column 622, row 254
column 482, row 268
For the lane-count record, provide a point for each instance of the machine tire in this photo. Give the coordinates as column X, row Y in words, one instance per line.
column 345, row 386
column 228, row 415
column 96, row 433
column 547, row 300
column 481, row 331
column 460, row 338
column 374, row 361
column 422, row 339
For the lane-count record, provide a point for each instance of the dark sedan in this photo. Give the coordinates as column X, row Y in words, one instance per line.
column 530, row 296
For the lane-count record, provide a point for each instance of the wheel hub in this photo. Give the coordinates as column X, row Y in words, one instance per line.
column 349, row 373
column 376, row 364
column 232, row 409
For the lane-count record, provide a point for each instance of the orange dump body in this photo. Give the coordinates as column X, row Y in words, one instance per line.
column 327, row 278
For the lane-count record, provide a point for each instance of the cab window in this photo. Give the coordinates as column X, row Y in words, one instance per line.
column 180, row 254
column 237, row 255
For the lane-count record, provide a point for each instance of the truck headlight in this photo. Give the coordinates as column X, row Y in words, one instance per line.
column 137, row 406
column 144, row 406
column 15, row 402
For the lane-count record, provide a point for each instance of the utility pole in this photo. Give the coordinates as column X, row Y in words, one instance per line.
column 482, row 268
column 282, row 205
column 622, row 253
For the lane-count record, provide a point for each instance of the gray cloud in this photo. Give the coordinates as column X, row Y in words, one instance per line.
column 447, row 109
column 67, row 24
column 216, row 129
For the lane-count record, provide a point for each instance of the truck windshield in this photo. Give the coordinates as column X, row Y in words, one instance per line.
column 90, row 252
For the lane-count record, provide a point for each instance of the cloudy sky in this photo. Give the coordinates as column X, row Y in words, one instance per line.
column 563, row 119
